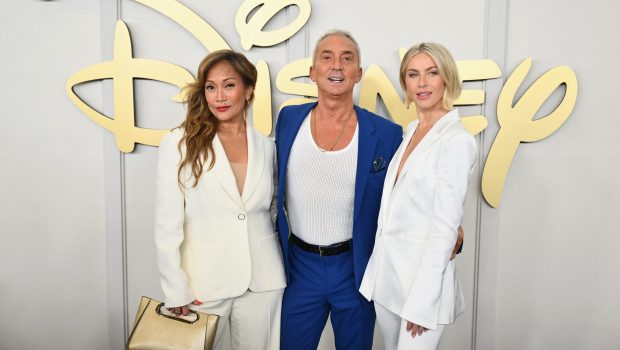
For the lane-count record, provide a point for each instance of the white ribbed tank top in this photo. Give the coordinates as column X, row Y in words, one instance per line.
column 320, row 189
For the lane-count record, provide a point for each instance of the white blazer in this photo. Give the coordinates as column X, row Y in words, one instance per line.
column 213, row 243
column 410, row 272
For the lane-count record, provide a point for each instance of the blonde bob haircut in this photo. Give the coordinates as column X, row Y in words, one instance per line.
column 445, row 65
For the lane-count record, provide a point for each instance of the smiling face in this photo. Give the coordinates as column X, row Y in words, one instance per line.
column 225, row 92
column 424, row 85
column 336, row 67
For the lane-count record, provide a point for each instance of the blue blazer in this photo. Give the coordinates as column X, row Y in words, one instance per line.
column 379, row 139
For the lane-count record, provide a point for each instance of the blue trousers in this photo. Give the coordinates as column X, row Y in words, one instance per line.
column 320, row 285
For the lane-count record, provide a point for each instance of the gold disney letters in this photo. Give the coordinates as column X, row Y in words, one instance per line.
column 518, row 124
column 516, row 121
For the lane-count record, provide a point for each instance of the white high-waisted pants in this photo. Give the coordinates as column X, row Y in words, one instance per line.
column 249, row 321
column 395, row 334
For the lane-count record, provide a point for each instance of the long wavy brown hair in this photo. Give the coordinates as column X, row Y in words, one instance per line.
column 200, row 125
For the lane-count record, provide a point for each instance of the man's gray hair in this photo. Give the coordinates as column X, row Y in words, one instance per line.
column 337, row 32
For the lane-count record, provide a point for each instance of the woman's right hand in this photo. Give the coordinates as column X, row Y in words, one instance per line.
column 179, row 310
column 183, row 310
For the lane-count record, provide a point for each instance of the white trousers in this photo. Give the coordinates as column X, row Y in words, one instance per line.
column 396, row 337
column 249, row 321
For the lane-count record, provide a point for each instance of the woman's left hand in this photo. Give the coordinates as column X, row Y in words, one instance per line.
column 415, row 329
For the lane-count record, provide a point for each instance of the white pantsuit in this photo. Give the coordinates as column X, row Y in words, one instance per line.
column 410, row 272
column 216, row 245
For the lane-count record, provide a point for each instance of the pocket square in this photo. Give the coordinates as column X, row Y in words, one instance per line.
column 378, row 164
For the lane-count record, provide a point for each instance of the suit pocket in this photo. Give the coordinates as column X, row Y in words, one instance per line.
column 207, row 271
column 402, row 262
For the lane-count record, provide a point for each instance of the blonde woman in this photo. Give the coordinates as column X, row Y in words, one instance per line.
column 410, row 276
column 217, row 248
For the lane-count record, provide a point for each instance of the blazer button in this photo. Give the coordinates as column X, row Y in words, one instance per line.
column 241, row 216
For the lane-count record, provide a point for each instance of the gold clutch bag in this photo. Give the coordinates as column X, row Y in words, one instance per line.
column 156, row 328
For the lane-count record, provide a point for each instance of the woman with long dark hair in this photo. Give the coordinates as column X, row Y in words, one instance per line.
column 216, row 244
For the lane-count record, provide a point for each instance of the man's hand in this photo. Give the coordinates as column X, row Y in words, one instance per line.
column 459, row 242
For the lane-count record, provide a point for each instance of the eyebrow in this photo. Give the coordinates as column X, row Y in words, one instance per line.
column 427, row 69
column 225, row 79
column 347, row 52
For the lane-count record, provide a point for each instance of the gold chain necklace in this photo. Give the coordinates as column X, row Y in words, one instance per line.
column 316, row 135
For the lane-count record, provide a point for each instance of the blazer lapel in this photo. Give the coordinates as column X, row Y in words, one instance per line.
column 367, row 143
column 390, row 176
column 224, row 172
column 256, row 164
column 431, row 137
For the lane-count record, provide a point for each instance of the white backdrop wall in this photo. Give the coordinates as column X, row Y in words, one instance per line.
column 558, row 276
column 77, row 216
column 52, row 278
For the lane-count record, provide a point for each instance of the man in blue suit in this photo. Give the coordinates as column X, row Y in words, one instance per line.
column 332, row 160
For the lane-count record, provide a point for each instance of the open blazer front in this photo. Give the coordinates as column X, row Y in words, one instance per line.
column 213, row 243
column 410, row 272
column 378, row 140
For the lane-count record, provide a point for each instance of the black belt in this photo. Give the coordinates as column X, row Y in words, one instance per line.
column 322, row 250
